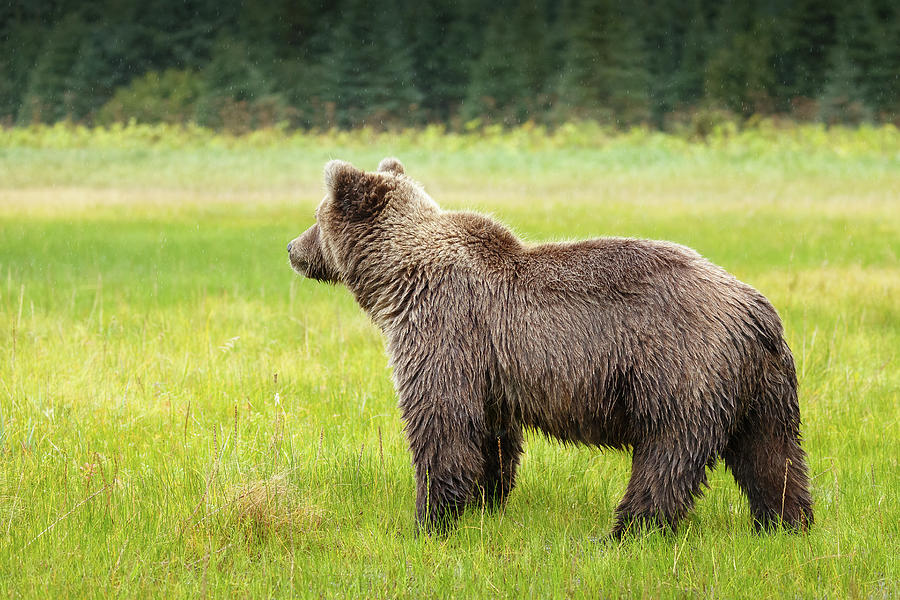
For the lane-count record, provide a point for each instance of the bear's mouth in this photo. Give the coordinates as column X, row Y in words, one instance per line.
column 300, row 266
column 317, row 273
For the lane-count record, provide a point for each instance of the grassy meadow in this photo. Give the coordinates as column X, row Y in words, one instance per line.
column 182, row 416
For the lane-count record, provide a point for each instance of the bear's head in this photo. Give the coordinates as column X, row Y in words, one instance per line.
column 359, row 214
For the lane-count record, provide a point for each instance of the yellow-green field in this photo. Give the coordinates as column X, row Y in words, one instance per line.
column 182, row 416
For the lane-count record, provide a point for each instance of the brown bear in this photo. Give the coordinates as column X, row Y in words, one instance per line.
column 614, row 342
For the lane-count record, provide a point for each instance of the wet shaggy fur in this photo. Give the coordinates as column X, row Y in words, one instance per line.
column 612, row 342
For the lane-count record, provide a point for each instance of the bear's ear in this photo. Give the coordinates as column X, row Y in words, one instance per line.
column 359, row 195
column 391, row 165
column 341, row 177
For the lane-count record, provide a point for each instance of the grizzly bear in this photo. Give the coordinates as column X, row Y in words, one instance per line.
column 613, row 342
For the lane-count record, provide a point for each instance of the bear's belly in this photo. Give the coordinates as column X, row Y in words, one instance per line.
column 588, row 412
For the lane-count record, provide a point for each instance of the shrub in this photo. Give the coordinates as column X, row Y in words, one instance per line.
column 167, row 97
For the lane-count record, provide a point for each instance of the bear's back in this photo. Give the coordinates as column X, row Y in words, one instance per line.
column 613, row 266
column 476, row 242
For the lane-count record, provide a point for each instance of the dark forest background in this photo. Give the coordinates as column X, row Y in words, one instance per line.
column 349, row 63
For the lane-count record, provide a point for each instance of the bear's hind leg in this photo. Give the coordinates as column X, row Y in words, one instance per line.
column 771, row 470
column 502, row 452
column 664, row 482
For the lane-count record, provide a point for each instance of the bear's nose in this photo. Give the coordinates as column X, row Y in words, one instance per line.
column 289, row 246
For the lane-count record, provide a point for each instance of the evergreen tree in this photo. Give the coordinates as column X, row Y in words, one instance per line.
column 884, row 79
column 369, row 73
column 20, row 43
column 740, row 75
column 349, row 62
column 302, row 69
column 605, row 74
column 239, row 70
column 508, row 81
column 676, row 36
column 48, row 94
column 811, row 33
column 869, row 31
column 445, row 39
column 842, row 100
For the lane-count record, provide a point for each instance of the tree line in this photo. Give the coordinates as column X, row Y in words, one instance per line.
column 349, row 63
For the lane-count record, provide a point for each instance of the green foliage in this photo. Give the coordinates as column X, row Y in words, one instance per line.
column 167, row 97
column 48, row 94
column 18, row 51
column 720, row 135
column 444, row 39
column 509, row 78
column 369, row 69
column 677, row 39
column 864, row 68
column 739, row 75
column 239, row 92
column 604, row 74
column 842, row 100
column 403, row 63
column 811, row 33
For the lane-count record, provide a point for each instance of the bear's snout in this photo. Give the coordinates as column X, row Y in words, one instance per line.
column 306, row 257
column 299, row 250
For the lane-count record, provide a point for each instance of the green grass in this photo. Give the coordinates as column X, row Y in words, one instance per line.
column 181, row 415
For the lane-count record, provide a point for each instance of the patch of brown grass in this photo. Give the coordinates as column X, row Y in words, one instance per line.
column 273, row 508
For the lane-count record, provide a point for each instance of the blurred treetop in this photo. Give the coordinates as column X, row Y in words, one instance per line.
column 347, row 63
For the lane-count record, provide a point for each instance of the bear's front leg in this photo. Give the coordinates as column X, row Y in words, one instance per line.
column 445, row 429
column 442, row 493
column 439, row 374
